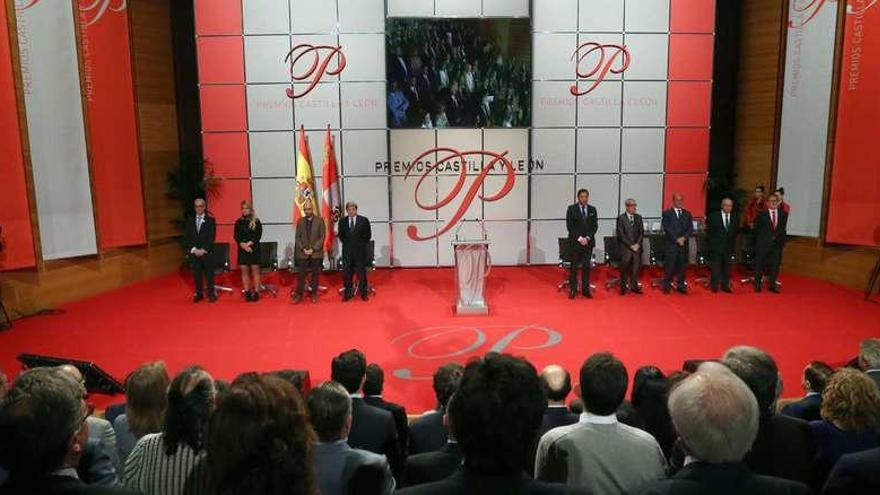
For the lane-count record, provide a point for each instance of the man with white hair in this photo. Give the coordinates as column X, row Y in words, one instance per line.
column 869, row 358
column 716, row 417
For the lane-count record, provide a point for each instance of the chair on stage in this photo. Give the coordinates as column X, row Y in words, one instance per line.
column 371, row 266
column 746, row 258
column 268, row 265
column 699, row 257
column 657, row 243
column 612, row 260
column 220, row 261
column 565, row 262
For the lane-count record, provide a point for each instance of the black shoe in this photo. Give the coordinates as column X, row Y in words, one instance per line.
column 667, row 289
column 296, row 298
column 365, row 295
column 714, row 289
column 247, row 296
column 757, row 287
column 346, row 296
column 588, row 294
column 773, row 288
column 726, row 288
column 622, row 290
column 682, row 289
column 212, row 297
column 572, row 294
column 314, row 296
column 636, row 290
column 255, row 296
column 198, row 297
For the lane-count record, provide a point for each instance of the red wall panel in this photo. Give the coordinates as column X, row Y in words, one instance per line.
column 227, row 154
column 692, row 16
column 691, row 186
column 687, row 150
column 215, row 17
column 223, row 108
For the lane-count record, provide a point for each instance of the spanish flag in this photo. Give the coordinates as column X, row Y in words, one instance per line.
column 305, row 182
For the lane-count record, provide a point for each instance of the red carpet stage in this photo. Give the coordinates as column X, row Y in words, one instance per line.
column 409, row 327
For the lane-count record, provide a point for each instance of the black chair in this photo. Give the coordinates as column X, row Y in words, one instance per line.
column 220, row 261
column 268, row 264
column 565, row 262
column 612, row 260
column 371, row 266
column 657, row 243
column 701, row 258
column 293, row 267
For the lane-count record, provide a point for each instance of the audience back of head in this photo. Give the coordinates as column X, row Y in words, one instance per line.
column 146, row 398
column 851, row 401
column 758, row 370
column 330, row 411
column 603, row 384
column 816, row 375
column 191, row 398
column 348, row 369
column 445, row 382
column 556, row 383
column 869, row 354
column 375, row 380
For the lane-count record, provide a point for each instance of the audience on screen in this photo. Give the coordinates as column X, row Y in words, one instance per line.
column 713, row 431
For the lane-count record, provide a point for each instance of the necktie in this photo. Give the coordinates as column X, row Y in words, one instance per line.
column 725, row 221
column 199, row 221
column 350, row 223
column 631, row 220
column 583, row 211
column 677, row 213
column 773, row 218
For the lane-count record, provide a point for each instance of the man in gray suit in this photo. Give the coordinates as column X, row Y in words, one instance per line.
column 335, row 461
column 630, row 233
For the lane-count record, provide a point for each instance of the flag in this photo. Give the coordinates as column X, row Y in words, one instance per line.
column 305, row 183
column 331, row 201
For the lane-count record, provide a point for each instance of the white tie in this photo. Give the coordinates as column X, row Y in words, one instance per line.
column 725, row 221
column 199, row 221
column 677, row 213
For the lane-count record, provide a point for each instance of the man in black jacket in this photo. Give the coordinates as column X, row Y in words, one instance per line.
column 371, row 428
column 722, row 228
column 855, row 474
column 428, row 433
column 770, row 232
column 43, row 434
column 716, row 417
column 373, row 386
column 354, row 234
column 198, row 238
column 678, row 226
column 436, row 465
column 582, row 222
column 816, row 375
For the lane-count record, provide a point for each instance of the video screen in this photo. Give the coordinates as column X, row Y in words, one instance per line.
column 458, row 73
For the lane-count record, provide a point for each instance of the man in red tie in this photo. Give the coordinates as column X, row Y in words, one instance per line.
column 770, row 226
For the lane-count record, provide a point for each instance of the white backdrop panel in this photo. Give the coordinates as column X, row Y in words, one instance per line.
column 272, row 154
column 414, row 253
column 543, row 241
column 604, row 193
column 554, row 15
column 410, row 8
column 363, row 105
column 361, row 151
column 382, row 239
column 554, row 61
column 505, row 8
column 552, row 104
column 643, row 149
column 600, row 107
column 649, row 56
column 371, row 195
column 508, row 242
column 644, row 103
column 365, row 58
column 646, row 189
column 266, row 16
column 313, row 16
column 362, row 16
column 551, row 194
column 650, row 16
column 598, row 150
column 457, row 8
column 318, row 108
column 403, row 193
column 514, row 205
column 600, row 16
column 285, row 236
column 269, row 108
column 273, row 199
column 265, row 59
column 514, row 141
column 555, row 147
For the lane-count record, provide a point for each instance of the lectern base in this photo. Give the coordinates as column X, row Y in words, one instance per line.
column 471, row 309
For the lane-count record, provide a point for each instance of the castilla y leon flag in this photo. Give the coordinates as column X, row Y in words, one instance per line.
column 331, row 206
column 304, row 193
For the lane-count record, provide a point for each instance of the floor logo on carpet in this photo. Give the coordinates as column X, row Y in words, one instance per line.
column 451, row 341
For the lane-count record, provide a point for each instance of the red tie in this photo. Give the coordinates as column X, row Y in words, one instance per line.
column 773, row 218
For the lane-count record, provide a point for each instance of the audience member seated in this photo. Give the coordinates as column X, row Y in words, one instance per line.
column 498, row 409
column 439, row 464
column 298, row 378
column 850, row 415
column 146, row 397
column 259, row 440
column 43, row 434
column 556, row 383
column 717, row 417
column 816, row 375
column 576, row 406
column 599, row 453
column 371, row 428
column 168, row 463
column 650, row 394
column 855, row 474
column 427, row 433
column 784, row 446
column 335, row 461
column 869, row 358
column 373, row 387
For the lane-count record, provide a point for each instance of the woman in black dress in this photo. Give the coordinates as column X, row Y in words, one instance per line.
column 248, row 231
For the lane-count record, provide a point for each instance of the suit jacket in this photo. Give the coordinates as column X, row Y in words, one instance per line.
column 464, row 482
column 306, row 239
column 784, row 448
column 433, row 466
column 355, row 241
column 807, row 409
column 855, row 474
column 373, row 429
column 555, row 417
column 700, row 478
column 336, row 462
column 61, row 485
column 400, row 420
column 766, row 237
column 202, row 238
column 627, row 234
column 427, row 433
column 96, row 467
column 103, row 435
column 578, row 226
column 675, row 227
column 721, row 242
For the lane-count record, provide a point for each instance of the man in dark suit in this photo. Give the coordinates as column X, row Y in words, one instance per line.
column 428, row 433
column 855, row 474
column 678, row 225
column 556, row 383
column 355, row 235
column 309, row 252
column 722, row 228
column 335, row 461
column 494, row 415
column 373, row 386
column 434, row 466
column 198, row 238
column 43, row 434
column 770, row 225
column 816, row 375
column 372, row 428
column 582, row 222
column 784, row 446
column 717, row 418
column 630, row 233
column 869, row 358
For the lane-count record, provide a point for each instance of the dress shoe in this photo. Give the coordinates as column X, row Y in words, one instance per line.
column 636, row 290
column 773, row 288
column 314, row 297
column 247, row 296
column 572, row 294
column 255, row 296
column 346, row 296
column 365, row 295
column 682, row 290
column 212, row 297
column 198, row 297
column 714, row 289
column 726, row 288
column 667, row 290
column 588, row 294
column 622, row 290
column 296, row 298
column 757, row 287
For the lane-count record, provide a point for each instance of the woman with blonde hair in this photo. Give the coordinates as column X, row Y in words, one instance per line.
column 248, row 231
column 850, row 417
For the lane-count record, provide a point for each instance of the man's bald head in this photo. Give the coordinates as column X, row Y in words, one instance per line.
column 556, row 383
column 75, row 373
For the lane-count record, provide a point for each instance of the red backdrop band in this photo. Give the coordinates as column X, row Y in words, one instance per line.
column 112, row 130
column 854, row 205
column 691, row 186
column 15, row 215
